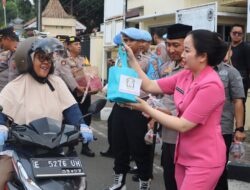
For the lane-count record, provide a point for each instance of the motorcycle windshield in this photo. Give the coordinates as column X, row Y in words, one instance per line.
column 46, row 126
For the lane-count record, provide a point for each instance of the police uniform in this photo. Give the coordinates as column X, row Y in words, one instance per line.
column 169, row 136
column 8, row 70
column 7, row 74
column 129, row 128
column 4, row 69
column 234, row 89
column 161, row 52
column 64, row 67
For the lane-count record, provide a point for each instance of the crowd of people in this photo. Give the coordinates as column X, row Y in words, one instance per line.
column 198, row 64
column 186, row 68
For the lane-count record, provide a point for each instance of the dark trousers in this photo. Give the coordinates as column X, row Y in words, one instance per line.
column 110, row 129
column 222, row 183
column 128, row 130
column 167, row 162
column 84, row 107
column 246, row 86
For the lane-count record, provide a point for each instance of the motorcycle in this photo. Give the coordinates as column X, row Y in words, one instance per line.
column 39, row 157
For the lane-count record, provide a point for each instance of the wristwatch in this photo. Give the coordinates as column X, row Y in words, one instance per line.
column 241, row 129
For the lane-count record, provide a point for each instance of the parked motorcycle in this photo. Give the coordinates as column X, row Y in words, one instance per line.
column 39, row 157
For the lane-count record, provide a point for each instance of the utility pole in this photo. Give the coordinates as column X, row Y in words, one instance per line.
column 4, row 12
column 39, row 16
column 71, row 7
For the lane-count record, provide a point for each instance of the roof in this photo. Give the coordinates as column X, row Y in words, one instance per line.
column 54, row 9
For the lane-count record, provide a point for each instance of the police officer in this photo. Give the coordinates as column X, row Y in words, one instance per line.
column 154, row 61
column 65, row 68
column 8, row 43
column 129, row 128
column 160, row 49
column 175, row 47
column 233, row 111
column 109, row 152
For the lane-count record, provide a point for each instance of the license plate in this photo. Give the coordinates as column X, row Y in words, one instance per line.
column 57, row 167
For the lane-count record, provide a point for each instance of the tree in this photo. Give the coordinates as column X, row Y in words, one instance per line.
column 17, row 8
column 90, row 13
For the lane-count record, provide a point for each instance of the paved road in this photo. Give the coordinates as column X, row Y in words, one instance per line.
column 99, row 169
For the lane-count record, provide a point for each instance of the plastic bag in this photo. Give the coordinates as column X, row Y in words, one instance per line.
column 237, row 150
column 155, row 102
column 150, row 136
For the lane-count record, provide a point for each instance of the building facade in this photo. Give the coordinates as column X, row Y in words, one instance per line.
column 159, row 13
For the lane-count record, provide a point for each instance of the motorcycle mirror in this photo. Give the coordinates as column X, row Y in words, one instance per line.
column 97, row 106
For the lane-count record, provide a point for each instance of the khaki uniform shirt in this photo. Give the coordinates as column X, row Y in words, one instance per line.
column 143, row 62
column 161, row 52
column 8, row 70
column 65, row 67
column 168, row 135
column 4, row 68
column 25, row 99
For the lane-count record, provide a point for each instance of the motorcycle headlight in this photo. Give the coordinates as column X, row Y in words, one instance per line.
column 28, row 183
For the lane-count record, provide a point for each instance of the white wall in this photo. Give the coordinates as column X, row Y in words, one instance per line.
column 96, row 52
column 59, row 26
column 156, row 6
column 113, row 8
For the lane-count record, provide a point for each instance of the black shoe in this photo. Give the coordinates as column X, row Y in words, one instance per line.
column 135, row 177
column 108, row 154
column 87, row 151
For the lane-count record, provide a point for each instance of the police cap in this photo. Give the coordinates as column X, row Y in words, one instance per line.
column 62, row 38
column 177, row 31
column 118, row 39
column 72, row 39
column 146, row 36
column 133, row 33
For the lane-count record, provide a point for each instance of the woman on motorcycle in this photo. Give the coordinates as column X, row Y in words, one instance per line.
column 36, row 93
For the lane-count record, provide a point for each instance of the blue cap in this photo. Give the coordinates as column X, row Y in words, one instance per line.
column 133, row 33
column 146, row 36
column 118, row 39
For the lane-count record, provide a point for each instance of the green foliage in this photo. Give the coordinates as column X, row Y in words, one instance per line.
column 16, row 8
column 88, row 12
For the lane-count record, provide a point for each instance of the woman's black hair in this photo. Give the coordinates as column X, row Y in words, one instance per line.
column 210, row 43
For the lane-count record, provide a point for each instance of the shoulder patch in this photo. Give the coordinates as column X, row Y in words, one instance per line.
column 158, row 51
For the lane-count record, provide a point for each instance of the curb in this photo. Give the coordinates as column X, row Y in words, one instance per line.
column 239, row 171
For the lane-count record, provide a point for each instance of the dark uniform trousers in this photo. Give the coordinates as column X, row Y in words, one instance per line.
column 128, row 130
column 167, row 162
column 84, row 106
column 246, row 84
column 110, row 129
column 222, row 183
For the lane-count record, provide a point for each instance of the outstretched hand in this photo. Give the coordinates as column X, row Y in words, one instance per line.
column 131, row 57
column 141, row 105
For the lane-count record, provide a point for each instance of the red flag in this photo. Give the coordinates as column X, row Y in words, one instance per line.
column 4, row 3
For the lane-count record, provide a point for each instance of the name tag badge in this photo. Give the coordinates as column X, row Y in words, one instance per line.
column 130, row 85
column 179, row 90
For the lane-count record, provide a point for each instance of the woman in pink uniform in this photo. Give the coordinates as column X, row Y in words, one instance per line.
column 199, row 98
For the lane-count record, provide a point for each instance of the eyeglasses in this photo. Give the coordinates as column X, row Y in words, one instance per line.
column 45, row 57
column 237, row 33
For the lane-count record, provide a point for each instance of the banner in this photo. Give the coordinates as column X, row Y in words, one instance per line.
column 200, row 17
column 248, row 17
